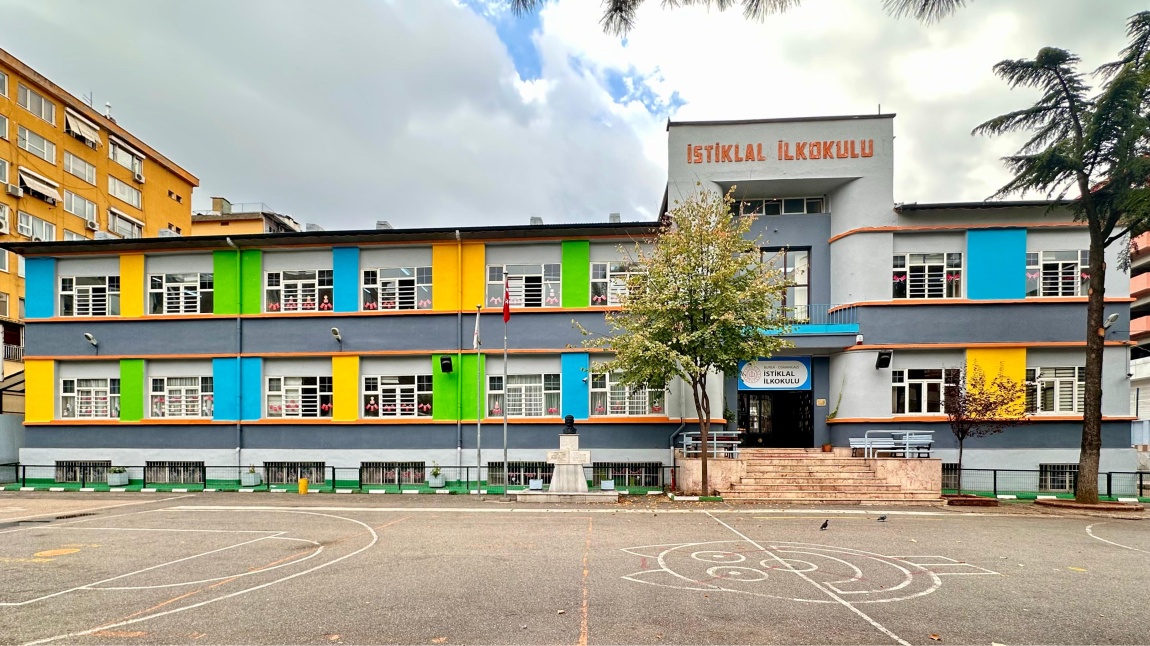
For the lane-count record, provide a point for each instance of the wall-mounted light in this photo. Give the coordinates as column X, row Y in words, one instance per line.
column 91, row 339
column 1110, row 320
column 883, row 359
column 445, row 364
column 338, row 338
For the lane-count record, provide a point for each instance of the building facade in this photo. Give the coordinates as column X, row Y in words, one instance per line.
column 226, row 218
column 355, row 348
column 69, row 173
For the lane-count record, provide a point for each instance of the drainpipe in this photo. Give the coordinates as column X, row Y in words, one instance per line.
column 459, row 357
column 239, row 351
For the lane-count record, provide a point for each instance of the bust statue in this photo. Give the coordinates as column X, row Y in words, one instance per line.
column 569, row 428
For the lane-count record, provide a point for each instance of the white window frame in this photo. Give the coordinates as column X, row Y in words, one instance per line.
column 77, row 166
column 70, row 236
column 125, row 155
column 529, row 285
column 396, row 288
column 4, row 301
column 88, row 299
column 31, row 226
column 188, row 397
column 1057, row 477
column 1065, row 384
column 1049, row 273
column 3, row 84
column 46, row 149
column 299, row 398
column 123, row 225
column 36, row 103
column 396, row 396
column 20, row 270
column 125, row 193
column 609, row 281
column 181, row 293
column 79, row 206
column 305, row 291
column 780, row 206
column 90, row 398
column 4, row 219
column 4, row 169
column 906, row 383
column 926, row 276
column 532, row 395
column 3, row 127
column 610, row 397
column 4, row 260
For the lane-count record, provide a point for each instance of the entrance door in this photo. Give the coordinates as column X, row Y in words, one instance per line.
column 778, row 419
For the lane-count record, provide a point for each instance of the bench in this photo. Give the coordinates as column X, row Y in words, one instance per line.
column 893, row 443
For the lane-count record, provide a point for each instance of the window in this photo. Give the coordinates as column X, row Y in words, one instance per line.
column 39, row 187
column 1057, row 477
column 3, row 166
column 520, row 473
column 795, row 265
column 182, row 472
column 79, row 168
column 524, row 395
column 36, row 145
column 3, row 260
column 397, row 396
column 4, row 302
column 394, row 473
column 927, row 275
column 610, row 280
column 126, row 193
column 82, row 129
column 528, row 285
column 90, row 296
column 400, row 288
column 299, row 397
column 181, row 397
column 36, row 104
column 3, row 84
column 784, row 206
column 180, row 293
column 20, row 273
column 1055, row 390
column 72, row 235
column 4, row 218
column 124, row 226
column 1057, row 273
column 919, row 391
column 90, row 398
column 77, row 205
column 291, row 472
column 610, row 397
column 33, row 227
column 124, row 156
column 3, row 127
column 299, row 291
column 82, row 470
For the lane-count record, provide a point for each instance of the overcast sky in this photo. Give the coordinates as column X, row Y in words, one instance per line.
column 442, row 112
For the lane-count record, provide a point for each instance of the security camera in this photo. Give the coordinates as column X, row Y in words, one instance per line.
column 335, row 333
column 91, row 339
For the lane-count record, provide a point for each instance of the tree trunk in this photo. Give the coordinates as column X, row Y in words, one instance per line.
column 1087, row 491
column 959, row 492
column 702, row 410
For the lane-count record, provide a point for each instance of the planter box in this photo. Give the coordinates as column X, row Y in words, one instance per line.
column 118, row 479
column 435, row 482
column 250, row 479
column 968, row 500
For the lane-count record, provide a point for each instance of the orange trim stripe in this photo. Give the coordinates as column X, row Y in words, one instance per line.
column 967, row 301
column 965, row 346
column 943, row 418
column 962, row 227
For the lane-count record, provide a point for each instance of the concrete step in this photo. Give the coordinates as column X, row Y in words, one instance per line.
column 828, row 479
column 834, row 486
column 832, row 496
column 840, row 462
column 770, row 469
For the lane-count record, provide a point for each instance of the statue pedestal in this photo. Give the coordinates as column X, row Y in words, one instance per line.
column 568, row 482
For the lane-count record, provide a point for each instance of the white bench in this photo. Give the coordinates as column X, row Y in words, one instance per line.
column 893, row 443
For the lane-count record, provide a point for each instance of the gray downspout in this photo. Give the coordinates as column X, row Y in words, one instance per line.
column 459, row 358
column 239, row 351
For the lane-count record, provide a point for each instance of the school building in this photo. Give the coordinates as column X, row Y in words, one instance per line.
column 353, row 348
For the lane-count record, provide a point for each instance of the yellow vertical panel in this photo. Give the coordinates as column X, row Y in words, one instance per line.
column 40, row 390
column 445, row 277
column 132, row 284
column 474, row 275
column 345, row 388
column 1011, row 360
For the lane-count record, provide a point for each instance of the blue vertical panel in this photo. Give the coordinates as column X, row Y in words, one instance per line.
column 575, row 375
column 996, row 263
column 251, row 388
column 39, row 288
column 345, row 269
column 226, row 389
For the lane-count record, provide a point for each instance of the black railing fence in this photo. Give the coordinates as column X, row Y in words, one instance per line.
column 1111, row 484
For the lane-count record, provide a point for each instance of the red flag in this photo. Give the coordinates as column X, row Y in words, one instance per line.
column 506, row 302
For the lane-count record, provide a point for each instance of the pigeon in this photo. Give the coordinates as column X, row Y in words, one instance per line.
column 882, row 519
column 826, row 523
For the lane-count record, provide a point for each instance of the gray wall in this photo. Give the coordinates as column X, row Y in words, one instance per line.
column 1036, row 435
column 11, row 437
column 992, row 323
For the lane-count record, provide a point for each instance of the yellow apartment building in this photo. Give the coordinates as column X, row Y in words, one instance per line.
column 226, row 218
column 68, row 172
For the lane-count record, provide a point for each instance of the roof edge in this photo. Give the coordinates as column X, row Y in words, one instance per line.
column 740, row 122
column 985, row 204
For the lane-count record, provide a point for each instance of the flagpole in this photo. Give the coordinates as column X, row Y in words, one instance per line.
column 506, row 318
column 479, row 408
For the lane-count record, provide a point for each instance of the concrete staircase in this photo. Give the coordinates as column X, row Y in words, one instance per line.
column 809, row 475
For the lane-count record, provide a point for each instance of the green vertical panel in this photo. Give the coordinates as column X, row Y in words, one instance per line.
column 445, row 386
column 252, row 281
column 576, row 273
column 131, row 390
column 225, row 274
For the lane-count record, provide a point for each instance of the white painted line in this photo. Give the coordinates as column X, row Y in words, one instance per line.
column 824, row 589
column 410, row 491
column 378, row 491
column 87, row 489
column 179, row 491
column 27, row 488
column 687, row 498
column 278, row 490
column 246, row 490
column 56, row 489
column 148, row 490
column 1127, row 500
column 209, row 490
column 1047, row 497
column 1126, row 547
column 654, row 493
column 117, row 489
column 1007, row 496
column 343, row 490
column 442, row 491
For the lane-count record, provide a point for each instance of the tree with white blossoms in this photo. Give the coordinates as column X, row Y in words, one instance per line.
column 703, row 299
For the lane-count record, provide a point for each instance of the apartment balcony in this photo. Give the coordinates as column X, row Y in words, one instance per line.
column 1140, row 286
column 1140, row 328
column 1140, row 251
column 13, row 352
column 822, row 319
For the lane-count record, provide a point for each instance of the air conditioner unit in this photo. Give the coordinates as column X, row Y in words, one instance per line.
column 50, row 200
column 139, row 177
column 92, row 225
column 37, row 239
column 4, row 226
column 14, row 190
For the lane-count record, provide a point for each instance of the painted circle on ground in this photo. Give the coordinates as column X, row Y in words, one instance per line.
column 718, row 557
column 733, row 573
column 807, row 566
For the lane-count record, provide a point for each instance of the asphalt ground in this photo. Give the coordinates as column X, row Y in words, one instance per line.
column 280, row 569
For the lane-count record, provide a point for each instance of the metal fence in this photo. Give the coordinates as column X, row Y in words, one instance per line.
column 284, row 476
column 1111, row 484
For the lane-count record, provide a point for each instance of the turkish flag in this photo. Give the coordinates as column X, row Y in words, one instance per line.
column 506, row 302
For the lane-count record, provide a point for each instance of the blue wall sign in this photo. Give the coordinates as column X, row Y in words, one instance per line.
column 792, row 373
